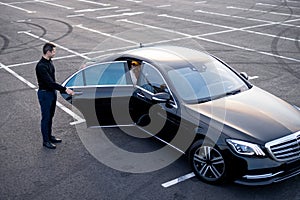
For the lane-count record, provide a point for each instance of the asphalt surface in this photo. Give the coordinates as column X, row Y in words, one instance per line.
column 260, row 38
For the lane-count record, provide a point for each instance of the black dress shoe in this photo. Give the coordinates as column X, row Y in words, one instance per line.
column 55, row 140
column 49, row 145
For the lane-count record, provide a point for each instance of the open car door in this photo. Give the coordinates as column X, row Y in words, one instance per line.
column 102, row 93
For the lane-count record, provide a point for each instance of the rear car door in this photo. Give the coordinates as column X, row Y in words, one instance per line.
column 102, row 93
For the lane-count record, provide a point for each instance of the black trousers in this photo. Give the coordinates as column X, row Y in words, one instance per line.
column 47, row 100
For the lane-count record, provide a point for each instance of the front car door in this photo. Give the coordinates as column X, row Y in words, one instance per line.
column 103, row 93
column 153, row 116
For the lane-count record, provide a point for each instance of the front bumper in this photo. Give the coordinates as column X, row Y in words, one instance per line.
column 270, row 175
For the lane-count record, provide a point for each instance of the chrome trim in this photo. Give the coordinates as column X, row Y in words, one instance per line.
column 175, row 103
column 100, row 86
column 289, row 176
column 285, row 142
column 296, row 107
column 113, row 126
column 262, row 176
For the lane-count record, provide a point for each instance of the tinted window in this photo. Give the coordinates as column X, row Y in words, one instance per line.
column 76, row 80
column 106, row 74
column 101, row 74
column 205, row 81
column 151, row 80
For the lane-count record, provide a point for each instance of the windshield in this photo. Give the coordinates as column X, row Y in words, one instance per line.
column 205, row 81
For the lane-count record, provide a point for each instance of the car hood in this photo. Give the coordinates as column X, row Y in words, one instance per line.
column 254, row 112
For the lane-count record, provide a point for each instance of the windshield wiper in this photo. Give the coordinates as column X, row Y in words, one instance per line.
column 218, row 96
column 204, row 100
column 233, row 92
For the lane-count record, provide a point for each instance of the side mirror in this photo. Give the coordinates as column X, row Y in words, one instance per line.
column 244, row 75
column 161, row 97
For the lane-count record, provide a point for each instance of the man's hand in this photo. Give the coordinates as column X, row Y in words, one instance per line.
column 70, row 92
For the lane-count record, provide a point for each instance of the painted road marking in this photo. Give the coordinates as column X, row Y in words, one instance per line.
column 163, row 6
column 272, row 5
column 250, row 19
column 105, row 34
column 120, row 15
column 45, row 40
column 54, row 4
column 78, row 15
column 93, row 2
column 16, row 7
column 95, row 9
column 262, row 11
column 32, row 86
column 232, row 29
column 211, row 41
column 178, row 180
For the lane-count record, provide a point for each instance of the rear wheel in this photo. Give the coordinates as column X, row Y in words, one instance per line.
column 207, row 162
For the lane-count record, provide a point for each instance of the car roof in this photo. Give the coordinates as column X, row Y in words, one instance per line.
column 168, row 56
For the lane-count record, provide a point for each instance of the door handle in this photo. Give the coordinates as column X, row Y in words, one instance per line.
column 78, row 93
column 140, row 95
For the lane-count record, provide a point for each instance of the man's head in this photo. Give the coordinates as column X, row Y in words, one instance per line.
column 49, row 50
column 135, row 63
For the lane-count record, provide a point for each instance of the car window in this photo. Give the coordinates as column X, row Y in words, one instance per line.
column 101, row 74
column 151, row 80
column 76, row 80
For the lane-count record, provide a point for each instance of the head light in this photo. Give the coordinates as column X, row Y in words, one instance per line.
column 245, row 148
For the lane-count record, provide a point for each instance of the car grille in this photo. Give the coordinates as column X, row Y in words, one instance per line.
column 285, row 148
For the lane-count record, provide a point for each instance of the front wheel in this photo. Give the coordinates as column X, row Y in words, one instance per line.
column 207, row 162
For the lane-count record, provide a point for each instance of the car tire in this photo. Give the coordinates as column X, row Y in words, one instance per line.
column 207, row 162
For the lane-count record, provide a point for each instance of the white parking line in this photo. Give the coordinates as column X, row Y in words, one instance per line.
column 54, row 4
column 178, row 180
column 251, row 19
column 22, row 2
column 78, row 15
column 262, row 11
column 272, row 5
column 105, row 34
column 134, row 1
column 253, row 77
column 32, row 86
column 95, row 9
column 120, row 15
column 212, row 41
column 34, row 62
column 93, row 2
column 45, row 40
column 163, row 6
column 291, row 1
column 16, row 7
column 232, row 29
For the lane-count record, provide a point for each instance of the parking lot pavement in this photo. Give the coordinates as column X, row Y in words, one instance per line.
column 257, row 37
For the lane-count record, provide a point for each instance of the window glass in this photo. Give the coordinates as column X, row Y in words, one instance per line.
column 76, row 80
column 101, row 74
column 204, row 82
column 106, row 74
column 151, row 80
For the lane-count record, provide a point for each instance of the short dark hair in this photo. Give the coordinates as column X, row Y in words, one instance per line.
column 48, row 47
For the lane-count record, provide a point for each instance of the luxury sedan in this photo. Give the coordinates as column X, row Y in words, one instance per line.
column 230, row 129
